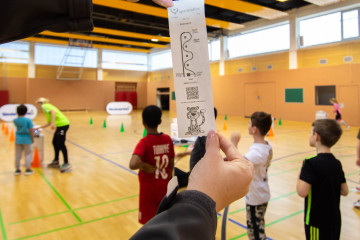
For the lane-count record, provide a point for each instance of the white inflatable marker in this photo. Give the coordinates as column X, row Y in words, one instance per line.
column 8, row 112
column 192, row 80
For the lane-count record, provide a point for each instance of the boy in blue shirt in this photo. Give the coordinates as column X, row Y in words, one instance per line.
column 24, row 140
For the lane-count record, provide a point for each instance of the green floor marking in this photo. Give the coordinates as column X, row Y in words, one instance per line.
column 58, row 194
column 286, row 171
column 284, row 218
column 76, row 209
column 271, row 223
column 3, row 230
column 272, row 199
column 350, row 174
column 76, row 225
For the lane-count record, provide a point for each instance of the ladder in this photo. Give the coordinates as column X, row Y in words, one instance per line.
column 72, row 64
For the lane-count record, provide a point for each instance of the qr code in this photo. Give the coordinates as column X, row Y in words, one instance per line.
column 192, row 93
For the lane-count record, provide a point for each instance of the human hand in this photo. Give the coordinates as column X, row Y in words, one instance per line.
column 148, row 168
column 235, row 138
column 164, row 3
column 224, row 182
column 52, row 126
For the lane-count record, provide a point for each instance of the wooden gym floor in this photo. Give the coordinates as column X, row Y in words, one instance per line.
column 99, row 198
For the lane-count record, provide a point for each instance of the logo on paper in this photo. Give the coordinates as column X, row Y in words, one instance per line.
column 174, row 10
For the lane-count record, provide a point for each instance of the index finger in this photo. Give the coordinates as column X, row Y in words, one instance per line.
column 228, row 148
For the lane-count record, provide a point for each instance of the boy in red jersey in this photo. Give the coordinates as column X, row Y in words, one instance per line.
column 154, row 157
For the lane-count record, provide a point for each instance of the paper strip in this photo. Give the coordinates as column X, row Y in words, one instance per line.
column 191, row 69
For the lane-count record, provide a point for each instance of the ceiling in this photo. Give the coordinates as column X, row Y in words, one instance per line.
column 140, row 26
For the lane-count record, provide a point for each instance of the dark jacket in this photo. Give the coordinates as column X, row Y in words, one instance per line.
column 189, row 215
column 24, row 18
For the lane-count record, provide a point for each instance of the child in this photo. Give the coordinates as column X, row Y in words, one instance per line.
column 321, row 182
column 260, row 155
column 338, row 113
column 154, row 157
column 24, row 140
column 357, row 189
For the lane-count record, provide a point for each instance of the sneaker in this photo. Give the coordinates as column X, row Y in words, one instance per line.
column 357, row 204
column 17, row 172
column 65, row 167
column 357, row 189
column 54, row 164
column 347, row 128
column 29, row 172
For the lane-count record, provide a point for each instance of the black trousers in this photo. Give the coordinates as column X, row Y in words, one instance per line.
column 59, row 143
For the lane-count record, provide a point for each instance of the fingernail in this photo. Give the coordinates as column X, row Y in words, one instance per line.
column 212, row 134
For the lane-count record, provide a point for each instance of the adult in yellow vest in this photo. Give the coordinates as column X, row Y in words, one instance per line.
column 58, row 122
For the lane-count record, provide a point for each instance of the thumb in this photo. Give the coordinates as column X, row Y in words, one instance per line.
column 212, row 145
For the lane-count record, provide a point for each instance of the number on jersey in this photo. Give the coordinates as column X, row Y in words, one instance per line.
column 161, row 164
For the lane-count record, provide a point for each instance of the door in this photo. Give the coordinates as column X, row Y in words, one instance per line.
column 259, row 97
column 348, row 96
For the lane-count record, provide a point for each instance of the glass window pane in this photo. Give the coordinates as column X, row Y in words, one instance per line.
column 262, row 41
column 14, row 52
column 351, row 24
column 124, row 60
column 319, row 30
column 161, row 60
column 55, row 55
column 215, row 50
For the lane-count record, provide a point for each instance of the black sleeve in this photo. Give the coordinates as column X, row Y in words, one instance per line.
column 23, row 18
column 198, row 152
column 189, row 215
column 307, row 172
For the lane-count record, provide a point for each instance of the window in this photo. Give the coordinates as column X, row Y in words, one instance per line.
column 214, row 50
column 350, row 24
column 261, row 41
column 124, row 60
column 14, row 52
column 323, row 94
column 54, row 55
column 319, row 30
column 161, row 60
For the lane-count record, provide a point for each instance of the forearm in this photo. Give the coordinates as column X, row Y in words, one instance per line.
column 32, row 134
column 23, row 18
column 45, row 125
column 190, row 215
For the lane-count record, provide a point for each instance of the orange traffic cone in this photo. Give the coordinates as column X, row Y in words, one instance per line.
column 225, row 126
column 6, row 130
column 36, row 159
column 12, row 136
column 271, row 132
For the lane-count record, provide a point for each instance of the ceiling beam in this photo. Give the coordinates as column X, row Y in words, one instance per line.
column 247, row 8
column 62, row 42
column 159, row 12
column 102, row 39
column 130, row 34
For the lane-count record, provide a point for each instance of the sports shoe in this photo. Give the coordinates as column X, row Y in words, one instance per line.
column 17, row 172
column 347, row 128
column 357, row 204
column 357, row 189
column 29, row 172
column 65, row 167
column 54, row 164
